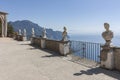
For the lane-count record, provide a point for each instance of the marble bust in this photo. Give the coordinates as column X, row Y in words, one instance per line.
column 44, row 33
column 107, row 35
column 24, row 33
column 64, row 35
column 33, row 32
column 20, row 32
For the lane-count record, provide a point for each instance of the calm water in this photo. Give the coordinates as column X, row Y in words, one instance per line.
column 91, row 51
column 95, row 39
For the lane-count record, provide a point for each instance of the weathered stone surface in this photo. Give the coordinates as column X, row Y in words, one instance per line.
column 107, row 58
column 61, row 47
column 44, row 33
column 43, row 43
column 64, row 35
column 106, row 55
column 36, row 41
column 19, row 37
column 3, row 19
column 64, row 48
column 107, row 35
column 52, row 45
column 33, row 32
column 20, row 33
column 103, row 55
column 117, row 58
column 24, row 32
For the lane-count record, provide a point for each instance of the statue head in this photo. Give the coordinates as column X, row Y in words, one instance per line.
column 64, row 34
column 65, row 29
column 106, row 26
column 107, row 35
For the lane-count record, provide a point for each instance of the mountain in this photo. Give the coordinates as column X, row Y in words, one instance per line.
column 28, row 25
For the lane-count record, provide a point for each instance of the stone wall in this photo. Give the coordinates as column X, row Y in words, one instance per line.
column 52, row 45
column 61, row 47
column 112, row 58
column 36, row 41
column 117, row 58
column 19, row 37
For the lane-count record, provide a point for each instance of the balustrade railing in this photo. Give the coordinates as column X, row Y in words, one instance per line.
column 86, row 50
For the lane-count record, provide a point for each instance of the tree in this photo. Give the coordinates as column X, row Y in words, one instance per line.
column 10, row 30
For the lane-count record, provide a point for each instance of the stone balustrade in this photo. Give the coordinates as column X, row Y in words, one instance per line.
column 110, row 55
column 117, row 58
column 61, row 47
column 36, row 41
column 18, row 37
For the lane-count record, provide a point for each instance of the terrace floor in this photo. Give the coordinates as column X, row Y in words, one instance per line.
column 20, row 61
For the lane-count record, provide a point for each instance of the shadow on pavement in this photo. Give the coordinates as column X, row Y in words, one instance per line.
column 98, row 70
column 52, row 54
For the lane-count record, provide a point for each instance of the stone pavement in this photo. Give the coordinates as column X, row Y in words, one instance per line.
column 20, row 61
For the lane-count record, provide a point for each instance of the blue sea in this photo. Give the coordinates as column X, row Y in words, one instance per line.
column 95, row 39
column 89, row 50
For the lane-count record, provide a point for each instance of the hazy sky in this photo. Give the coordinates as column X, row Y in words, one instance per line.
column 79, row 16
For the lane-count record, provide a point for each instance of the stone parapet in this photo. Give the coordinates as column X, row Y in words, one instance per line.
column 110, row 58
column 19, row 37
column 107, row 57
column 36, row 41
column 61, row 47
column 117, row 58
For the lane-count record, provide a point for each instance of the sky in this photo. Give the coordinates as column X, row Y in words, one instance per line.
column 79, row 16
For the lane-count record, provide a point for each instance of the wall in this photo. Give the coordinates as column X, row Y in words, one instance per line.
column 117, row 58
column 52, row 45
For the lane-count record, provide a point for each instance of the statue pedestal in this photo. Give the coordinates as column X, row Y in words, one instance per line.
column 43, row 43
column 107, row 58
column 24, row 38
column 19, row 37
column 32, row 40
column 64, row 48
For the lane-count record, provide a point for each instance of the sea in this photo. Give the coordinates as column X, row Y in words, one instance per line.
column 95, row 39
column 90, row 51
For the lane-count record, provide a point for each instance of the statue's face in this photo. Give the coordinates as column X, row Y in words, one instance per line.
column 64, row 28
column 106, row 27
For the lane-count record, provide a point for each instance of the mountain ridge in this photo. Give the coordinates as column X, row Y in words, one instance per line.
column 28, row 25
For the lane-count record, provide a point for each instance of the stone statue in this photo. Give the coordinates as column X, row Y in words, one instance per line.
column 20, row 32
column 64, row 35
column 44, row 33
column 107, row 51
column 24, row 32
column 107, row 35
column 33, row 32
column 24, row 35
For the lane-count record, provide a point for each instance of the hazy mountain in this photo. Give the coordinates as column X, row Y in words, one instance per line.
column 28, row 25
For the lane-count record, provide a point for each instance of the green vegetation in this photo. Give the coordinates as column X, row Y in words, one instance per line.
column 10, row 30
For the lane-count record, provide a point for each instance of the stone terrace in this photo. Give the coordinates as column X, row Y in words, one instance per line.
column 20, row 61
